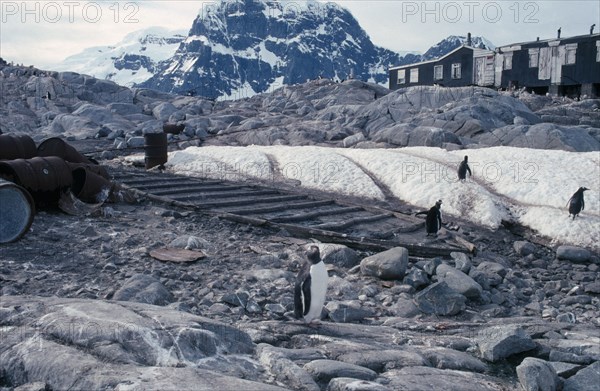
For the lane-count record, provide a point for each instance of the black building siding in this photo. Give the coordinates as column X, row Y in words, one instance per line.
column 464, row 56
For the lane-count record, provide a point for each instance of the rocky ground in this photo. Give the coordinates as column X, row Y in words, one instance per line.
column 516, row 314
column 84, row 305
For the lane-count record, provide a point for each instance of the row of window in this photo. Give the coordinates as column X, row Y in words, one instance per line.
column 438, row 73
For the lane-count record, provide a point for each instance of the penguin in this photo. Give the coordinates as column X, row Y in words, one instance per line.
column 576, row 203
column 311, row 287
column 463, row 168
column 433, row 220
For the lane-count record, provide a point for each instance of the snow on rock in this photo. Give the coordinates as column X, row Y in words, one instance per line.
column 526, row 186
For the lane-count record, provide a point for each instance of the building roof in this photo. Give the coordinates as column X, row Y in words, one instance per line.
column 441, row 58
column 550, row 40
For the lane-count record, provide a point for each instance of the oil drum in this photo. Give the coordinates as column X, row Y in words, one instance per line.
column 16, row 146
column 43, row 177
column 16, row 210
column 90, row 187
column 155, row 148
column 56, row 146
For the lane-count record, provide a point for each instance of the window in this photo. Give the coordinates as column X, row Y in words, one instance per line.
column 534, row 56
column 414, row 75
column 401, row 76
column 438, row 72
column 570, row 53
column 456, row 70
column 507, row 61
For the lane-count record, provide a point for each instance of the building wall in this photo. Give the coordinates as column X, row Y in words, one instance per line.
column 464, row 56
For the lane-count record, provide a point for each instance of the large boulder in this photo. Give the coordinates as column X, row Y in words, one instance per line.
column 459, row 281
column 144, row 288
column 499, row 342
column 387, row 265
column 573, row 254
column 535, row 374
column 585, row 380
column 440, row 299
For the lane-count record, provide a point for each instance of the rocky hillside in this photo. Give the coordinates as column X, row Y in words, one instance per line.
column 320, row 112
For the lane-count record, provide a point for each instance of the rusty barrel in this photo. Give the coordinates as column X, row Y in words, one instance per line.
column 43, row 177
column 155, row 148
column 16, row 146
column 89, row 186
column 95, row 168
column 56, row 146
column 16, row 211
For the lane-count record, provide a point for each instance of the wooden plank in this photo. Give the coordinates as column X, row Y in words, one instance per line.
column 315, row 214
column 281, row 208
column 244, row 202
column 339, row 225
column 199, row 194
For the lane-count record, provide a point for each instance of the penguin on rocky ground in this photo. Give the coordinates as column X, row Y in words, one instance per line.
column 576, row 203
column 433, row 221
column 311, row 288
column 463, row 168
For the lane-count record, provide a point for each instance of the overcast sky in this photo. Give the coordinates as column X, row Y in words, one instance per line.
column 42, row 33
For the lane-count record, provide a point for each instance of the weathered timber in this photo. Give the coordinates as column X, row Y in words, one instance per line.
column 198, row 194
column 315, row 214
column 338, row 225
column 281, row 208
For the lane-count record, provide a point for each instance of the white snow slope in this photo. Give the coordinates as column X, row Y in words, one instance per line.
column 529, row 186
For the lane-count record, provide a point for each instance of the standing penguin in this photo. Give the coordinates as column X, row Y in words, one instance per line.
column 311, row 287
column 463, row 168
column 576, row 203
column 433, row 221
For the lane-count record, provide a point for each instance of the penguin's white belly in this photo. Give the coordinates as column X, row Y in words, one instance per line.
column 318, row 290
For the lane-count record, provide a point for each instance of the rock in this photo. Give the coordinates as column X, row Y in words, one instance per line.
column 35, row 386
column 573, row 254
column 499, row 342
column 440, row 299
column 351, row 141
column 565, row 370
column 347, row 312
column 444, row 358
column 284, row 370
column 349, row 384
column 106, row 345
column 323, row 371
column 430, row 266
column 524, row 248
column 338, row 254
column 567, row 317
column 428, row 379
column 405, row 308
column 416, row 278
column 536, row 375
column 572, row 358
column 163, row 111
column 593, row 287
column 462, row 262
column 584, row 380
column 143, row 288
column 381, row 360
column 135, row 142
column 459, row 281
column 488, row 267
column 387, row 265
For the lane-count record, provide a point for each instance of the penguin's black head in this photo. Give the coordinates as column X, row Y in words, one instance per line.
column 466, row 158
column 313, row 255
column 438, row 204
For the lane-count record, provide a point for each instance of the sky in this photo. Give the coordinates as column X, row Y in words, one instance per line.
column 42, row 32
column 514, row 184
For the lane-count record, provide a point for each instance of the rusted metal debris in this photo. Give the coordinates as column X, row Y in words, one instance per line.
column 53, row 175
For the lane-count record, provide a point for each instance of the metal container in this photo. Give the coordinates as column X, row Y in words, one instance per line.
column 95, row 168
column 16, row 146
column 56, row 146
column 90, row 187
column 155, row 148
column 43, row 177
column 16, row 210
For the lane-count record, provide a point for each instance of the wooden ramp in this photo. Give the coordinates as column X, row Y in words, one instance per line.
column 303, row 215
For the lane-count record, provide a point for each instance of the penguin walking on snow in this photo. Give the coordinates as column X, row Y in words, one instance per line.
column 433, row 220
column 463, row 168
column 311, row 287
column 576, row 203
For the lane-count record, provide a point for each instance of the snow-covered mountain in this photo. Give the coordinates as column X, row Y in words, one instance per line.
column 452, row 42
column 129, row 62
column 238, row 48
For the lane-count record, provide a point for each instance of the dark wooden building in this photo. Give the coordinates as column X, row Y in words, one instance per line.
column 463, row 66
column 561, row 66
